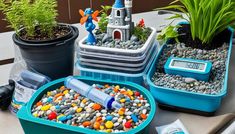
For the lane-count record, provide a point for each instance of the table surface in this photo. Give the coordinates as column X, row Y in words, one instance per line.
column 195, row 124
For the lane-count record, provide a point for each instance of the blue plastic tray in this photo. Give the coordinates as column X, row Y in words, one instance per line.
column 184, row 99
column 33, row 125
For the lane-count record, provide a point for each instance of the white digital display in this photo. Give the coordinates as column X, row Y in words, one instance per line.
column 188, row 65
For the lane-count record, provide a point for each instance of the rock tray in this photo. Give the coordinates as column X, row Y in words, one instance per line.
column 217, row 56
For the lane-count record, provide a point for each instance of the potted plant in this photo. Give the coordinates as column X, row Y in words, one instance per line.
column 45, row 45
column 205, row 36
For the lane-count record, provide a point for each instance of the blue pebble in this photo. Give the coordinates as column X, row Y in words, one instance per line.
column 69, row 117
column 134, row 118
column 99, row 86
column 62, row 118
column 57, row 107
column 109, row 117
column 50, row 99
column 128, row 99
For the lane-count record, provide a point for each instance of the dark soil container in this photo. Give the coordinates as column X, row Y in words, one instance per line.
column 54, row 58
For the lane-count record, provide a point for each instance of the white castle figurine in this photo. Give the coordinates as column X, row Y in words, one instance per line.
column 120, row 24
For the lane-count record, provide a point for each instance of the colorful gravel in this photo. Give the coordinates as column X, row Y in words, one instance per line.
column 66, row 106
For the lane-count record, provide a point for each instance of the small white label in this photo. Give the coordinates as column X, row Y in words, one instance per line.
column 22, row 93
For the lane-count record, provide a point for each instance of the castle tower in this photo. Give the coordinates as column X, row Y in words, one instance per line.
column 128, row 6
column 119, row 26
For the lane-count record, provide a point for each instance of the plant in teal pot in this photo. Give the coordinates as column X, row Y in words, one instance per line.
column 45, row 45
column 191, row 70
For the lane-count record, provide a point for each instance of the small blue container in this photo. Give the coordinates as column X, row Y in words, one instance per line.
column 33, row 125
column 138, row 78
column 188, row 100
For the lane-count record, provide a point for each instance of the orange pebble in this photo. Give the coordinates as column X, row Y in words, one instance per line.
column 86, row 123
column 58, row 95
column 143, row 116
column 62, row 88
column 121, row 111
column 96, row 106
column 98, row 119
column 96, row 125
column 76, row 96
column 39, row 103
column 115, row 90
column 106, row 85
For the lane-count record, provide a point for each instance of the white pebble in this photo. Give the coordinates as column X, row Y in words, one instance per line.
column 67, row 96
column 124, row 121
column 116, row 124
column 103, row 111
column 103, row 118
column 75, row 107
column 144, row 111
column 39, row 107
column 52, row 108
column 147, row 105
column 98, row 114
column 134, row 104
column 91, row 104
column 128, row 113
column 88, row 110
column 120, row 120
column 82, row 105
column 48, row 112
column 128, row 117
column 44, row 100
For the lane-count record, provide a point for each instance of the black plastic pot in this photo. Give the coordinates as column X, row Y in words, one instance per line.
column 54, row 58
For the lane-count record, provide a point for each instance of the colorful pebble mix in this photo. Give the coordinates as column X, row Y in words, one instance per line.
column 66, row 106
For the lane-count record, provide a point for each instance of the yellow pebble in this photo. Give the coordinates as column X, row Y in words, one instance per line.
column 108, row 130
column 48, row 93
column 117, row 87
column 35, row 114
column 66, row 91
column 130, row 92
column 45, row 108
column 79, row 110
column 122, row 100
column 109, row 124
column 84, row 101
column 132, row 98
column 139, row 104
column 73, row 104
column 101, row 127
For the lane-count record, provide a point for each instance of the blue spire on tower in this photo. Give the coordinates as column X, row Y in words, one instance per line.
column 118, row 4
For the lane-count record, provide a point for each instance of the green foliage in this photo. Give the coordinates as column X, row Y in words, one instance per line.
column 207, row 18
column 141, row 33
column 29, row 15
column 103, row 22
column 168, row 32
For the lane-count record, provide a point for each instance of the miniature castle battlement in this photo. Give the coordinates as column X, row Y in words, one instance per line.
column 120, row 23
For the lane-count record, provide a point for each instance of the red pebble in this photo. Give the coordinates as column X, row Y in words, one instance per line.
column 137, row 93
column 127, row 124
column 52, row 116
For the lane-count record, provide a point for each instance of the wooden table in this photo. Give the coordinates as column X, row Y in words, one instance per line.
column 195, row 124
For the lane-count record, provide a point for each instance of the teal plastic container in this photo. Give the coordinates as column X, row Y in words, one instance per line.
column 33, row 125
column 188, row 100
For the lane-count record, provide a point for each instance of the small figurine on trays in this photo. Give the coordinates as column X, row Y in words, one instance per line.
column 87, row 18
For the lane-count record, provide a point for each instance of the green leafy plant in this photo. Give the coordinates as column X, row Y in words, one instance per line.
column 207, row 18
column 141, row 32
column 30, row 15
column 168, row 32
column 103, row 22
